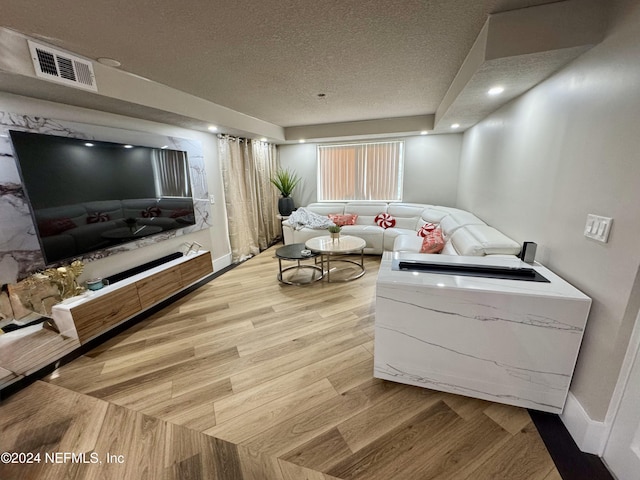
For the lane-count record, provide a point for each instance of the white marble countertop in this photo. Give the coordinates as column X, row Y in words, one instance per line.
column 557, row 287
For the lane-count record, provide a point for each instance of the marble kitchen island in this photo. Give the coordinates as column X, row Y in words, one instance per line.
column 498, row 339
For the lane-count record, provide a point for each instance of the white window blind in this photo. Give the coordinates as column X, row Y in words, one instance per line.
column 360, row 171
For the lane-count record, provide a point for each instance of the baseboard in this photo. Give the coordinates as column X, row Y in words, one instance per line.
column 590, row 435
column 221, row 262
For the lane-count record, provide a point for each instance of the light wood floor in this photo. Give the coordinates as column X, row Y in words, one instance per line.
column 250, row 379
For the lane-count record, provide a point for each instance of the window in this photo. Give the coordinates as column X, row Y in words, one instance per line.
column 360, row 171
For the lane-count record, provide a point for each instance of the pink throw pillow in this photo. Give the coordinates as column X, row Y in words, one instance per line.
column 426, row 228
column 385, row 220
column 432, row 242
column 342, row 220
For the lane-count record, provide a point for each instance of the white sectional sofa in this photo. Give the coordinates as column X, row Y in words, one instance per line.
column 463, row 232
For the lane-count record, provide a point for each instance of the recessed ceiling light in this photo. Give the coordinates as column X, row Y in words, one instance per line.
column 88, row 144
column 109, row 62
column 263, row 139
column 423, row 132
column 212, row 128
column 128, row 146
column 302, row 140
column 455, row 125
column 4, row 136
column 496, row 90
column 164, row 146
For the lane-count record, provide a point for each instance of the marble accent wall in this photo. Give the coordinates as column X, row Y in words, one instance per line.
column 19, row 247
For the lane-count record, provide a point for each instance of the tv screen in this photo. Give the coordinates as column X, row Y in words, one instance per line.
column 88, row 195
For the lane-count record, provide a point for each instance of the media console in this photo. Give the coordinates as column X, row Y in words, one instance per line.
column 87, row 316
column 95, row 312
column 492, row 328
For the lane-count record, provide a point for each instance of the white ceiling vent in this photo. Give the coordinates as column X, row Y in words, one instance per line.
column 62, row 67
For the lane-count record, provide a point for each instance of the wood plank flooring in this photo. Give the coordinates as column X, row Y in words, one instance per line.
column 247, row 378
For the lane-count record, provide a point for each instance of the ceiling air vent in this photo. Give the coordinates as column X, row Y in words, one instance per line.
column 62, row 67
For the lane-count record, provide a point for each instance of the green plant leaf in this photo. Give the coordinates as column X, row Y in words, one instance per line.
column 285, row 181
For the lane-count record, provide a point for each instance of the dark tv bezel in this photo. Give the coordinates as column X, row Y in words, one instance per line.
column 78, row 140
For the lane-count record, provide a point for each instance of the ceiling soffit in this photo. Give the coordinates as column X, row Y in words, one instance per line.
column 517, row 50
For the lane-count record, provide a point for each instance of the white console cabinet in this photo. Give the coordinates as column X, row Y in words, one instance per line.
column 504, row 340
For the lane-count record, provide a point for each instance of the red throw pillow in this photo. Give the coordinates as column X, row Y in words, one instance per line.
column 150, row 212
column 426, row 228
column 385, row 220
column 432, row 242
column 54, row 226
column 97, row 217
column 342, row 220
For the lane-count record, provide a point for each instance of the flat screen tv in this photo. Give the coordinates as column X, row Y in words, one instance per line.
column 88, row 195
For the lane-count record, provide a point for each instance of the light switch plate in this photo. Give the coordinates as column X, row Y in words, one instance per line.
column 212, row 199
column 598, row 227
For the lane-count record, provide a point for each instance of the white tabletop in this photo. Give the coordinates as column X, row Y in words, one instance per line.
column 344, row 244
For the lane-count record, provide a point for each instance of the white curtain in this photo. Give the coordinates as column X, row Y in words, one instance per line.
column 171, row 173
column 251, row 200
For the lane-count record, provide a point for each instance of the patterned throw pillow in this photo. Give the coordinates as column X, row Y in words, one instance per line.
column 150, row 212
column 97, row 217
column 55, row 226
column 385, row 220
column 432, row 242
column 342, row 220
column 426, row 228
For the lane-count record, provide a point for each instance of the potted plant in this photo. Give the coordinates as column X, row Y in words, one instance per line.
column 334, row 230
column 285, row 181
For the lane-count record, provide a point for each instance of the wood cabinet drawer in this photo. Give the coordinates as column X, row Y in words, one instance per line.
column 195, row 269
column 159, row 286
column 99, row 315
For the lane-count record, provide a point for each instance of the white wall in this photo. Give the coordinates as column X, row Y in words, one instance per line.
column 430, row 170
column 214, row 239
column 567, row 148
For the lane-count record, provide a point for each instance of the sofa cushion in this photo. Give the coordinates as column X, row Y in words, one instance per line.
column 371, row 234
column 449, row 249
column 366, row 212
column 479, row 240
column 326, row 208
column 390, row 235
column 407, row 215
column 385, row 220
column 494, row 241
column 407, row 243
column 432, row 215
column 455, row 220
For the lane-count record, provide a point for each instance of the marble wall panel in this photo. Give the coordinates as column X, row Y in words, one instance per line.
column 20, row 252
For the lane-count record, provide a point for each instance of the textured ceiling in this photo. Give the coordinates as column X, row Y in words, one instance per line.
column 270, row 58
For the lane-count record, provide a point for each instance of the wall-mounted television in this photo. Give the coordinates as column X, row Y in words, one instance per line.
column 88, row 195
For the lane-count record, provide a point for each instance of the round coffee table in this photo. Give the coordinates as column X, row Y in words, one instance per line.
column 294, row 252
column 329, row 247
